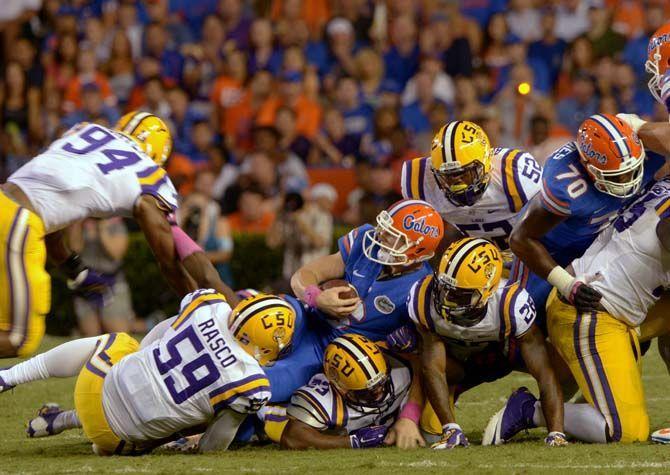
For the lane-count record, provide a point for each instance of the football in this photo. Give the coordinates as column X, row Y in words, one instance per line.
column 349, row 294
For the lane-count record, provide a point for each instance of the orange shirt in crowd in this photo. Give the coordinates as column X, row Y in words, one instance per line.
column 307, row 113
column 182, row 173
column 315, row 13
column 240, row 225
column 227, row 94
column 72, row 97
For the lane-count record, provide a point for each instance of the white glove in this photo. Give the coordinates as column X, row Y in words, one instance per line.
column 633, row 120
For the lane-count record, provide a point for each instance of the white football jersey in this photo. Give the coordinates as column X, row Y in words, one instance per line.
column 186, row 378
column 515, row 179
column 510, row 313
column 627, row 263
column 320, row 405
column 91, row 172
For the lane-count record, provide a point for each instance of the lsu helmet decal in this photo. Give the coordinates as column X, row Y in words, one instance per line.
column 468, row 275
column 408, row 231
column 150, row 133
column 356, row 367
column 460, row 158
column 263, row 325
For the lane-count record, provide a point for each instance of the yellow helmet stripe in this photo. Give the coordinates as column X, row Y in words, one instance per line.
column 460, row 253
column 364, row 361
column 255, row 307
column 135, row 122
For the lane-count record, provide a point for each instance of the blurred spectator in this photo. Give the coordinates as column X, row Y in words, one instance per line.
column 202, row 138
column 481, row 10
column 572, row 18
column 467, row 103
column 604, row 39
column 156, row 46
column 291, row 170
column 549, row 49
column 635, row 51
column 252, row 216
column 128, row 22
column 93, row 109
column 541, row 143
column 290, row 139
column 308, row 112
column 182, row 116
column 87, row 73
column 202, row 60
column 582, row 103
column 305, row 231
column 120, row 68
column 102, row 245
column 262, row 54
column 228, row 91
column 402, row 59
column 414, row 117
column 377, row 192
column 357, row 116
column 337, row 146
column 200, row 217
column 632, row 99
column 443, row 86
column 524, row 20
column 370, row 74
column 235, row 23
column 341, row 43
column 178, row 33
column 155, row 100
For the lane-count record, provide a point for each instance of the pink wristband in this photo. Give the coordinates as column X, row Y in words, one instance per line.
column 411, row 411
column 184, row 245
column 312, row 292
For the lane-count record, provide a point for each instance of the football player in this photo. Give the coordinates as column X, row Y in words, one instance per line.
column 352, row 403
column 474, row 330
column 628, row 265
column 584, row 185
column 92, row 171
column 194, row 370
column 477, row 189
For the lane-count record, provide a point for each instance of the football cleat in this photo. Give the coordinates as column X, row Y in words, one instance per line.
column 515, row 416
column 4, row 386
column 661, row 436
column 43, row 424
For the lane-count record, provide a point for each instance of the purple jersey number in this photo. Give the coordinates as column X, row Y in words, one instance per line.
column 95, row 138
column 203, row 363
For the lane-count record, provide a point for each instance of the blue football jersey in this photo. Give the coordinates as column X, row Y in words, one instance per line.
column 568, row 190
column 384, row 299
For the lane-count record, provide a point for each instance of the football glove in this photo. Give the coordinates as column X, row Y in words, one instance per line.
column 402, row 340
column 584, row 297
column 368, row 437
column 633, row 120
column 452, row 436
column 556, row 439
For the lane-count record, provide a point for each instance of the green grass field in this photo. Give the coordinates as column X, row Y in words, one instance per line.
column 70, row 453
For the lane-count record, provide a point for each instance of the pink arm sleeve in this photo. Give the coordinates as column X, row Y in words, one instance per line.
column 184, row 245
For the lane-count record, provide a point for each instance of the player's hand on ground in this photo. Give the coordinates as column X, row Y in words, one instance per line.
column 405, row 434
column 584, row 297
column 93, row 286
column 452, row 437
column 402, row 340
column 368, row 437
column 184, row 444
column 330, row 303
column 556, row 439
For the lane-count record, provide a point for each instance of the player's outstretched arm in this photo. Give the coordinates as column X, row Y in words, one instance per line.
column 305, row 284
column 221, row 432
column 534, row 353
column 152, row 219
column 299, row 436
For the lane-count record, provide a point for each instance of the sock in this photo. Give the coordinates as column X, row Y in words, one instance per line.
column 64, row 361
column 582, row 421
column 66, row 420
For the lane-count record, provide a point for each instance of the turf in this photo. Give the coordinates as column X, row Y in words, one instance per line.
column 70, row 453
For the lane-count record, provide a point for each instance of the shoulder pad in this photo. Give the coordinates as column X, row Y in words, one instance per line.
column 312, row 408
column 517, row 311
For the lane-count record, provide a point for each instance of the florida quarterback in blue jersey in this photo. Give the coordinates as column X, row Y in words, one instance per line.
column 584, row 185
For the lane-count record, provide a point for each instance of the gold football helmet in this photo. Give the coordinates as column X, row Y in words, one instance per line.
column 263, row 325
column 356, row 367
column 460, row 158
column 468, row 275
column 149, row 132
